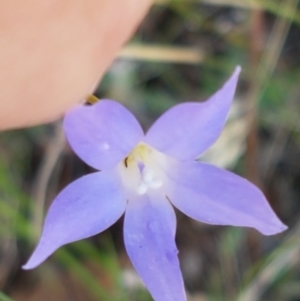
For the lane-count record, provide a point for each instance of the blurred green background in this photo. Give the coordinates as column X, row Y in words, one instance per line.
column 184, row 50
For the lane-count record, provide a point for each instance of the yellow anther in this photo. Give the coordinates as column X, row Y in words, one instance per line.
column 92, row 99
column 139, row 153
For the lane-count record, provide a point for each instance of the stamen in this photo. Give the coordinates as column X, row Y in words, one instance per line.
column 148, row 180
column 141, row 173
column 142, row 189
column 92, row 99
column 125, row 162
column 147, row 175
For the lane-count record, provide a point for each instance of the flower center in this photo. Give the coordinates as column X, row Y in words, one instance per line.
column 139, row 170
column 148, row 180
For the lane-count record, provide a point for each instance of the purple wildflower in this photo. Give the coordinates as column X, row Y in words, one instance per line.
column 144, row 175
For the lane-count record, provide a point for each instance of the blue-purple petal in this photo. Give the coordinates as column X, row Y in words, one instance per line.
column 187, row 130
column 84, row 208
column 102, row 134
column 149, row 230
column 216, row 196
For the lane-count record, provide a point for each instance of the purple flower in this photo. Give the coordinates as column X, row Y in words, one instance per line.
column 143, row 176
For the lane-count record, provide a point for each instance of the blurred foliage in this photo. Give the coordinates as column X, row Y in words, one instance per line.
column 184, row 50
column 4, row 297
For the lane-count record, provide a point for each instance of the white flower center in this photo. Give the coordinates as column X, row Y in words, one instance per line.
column 139, row 170
column 148, row 180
